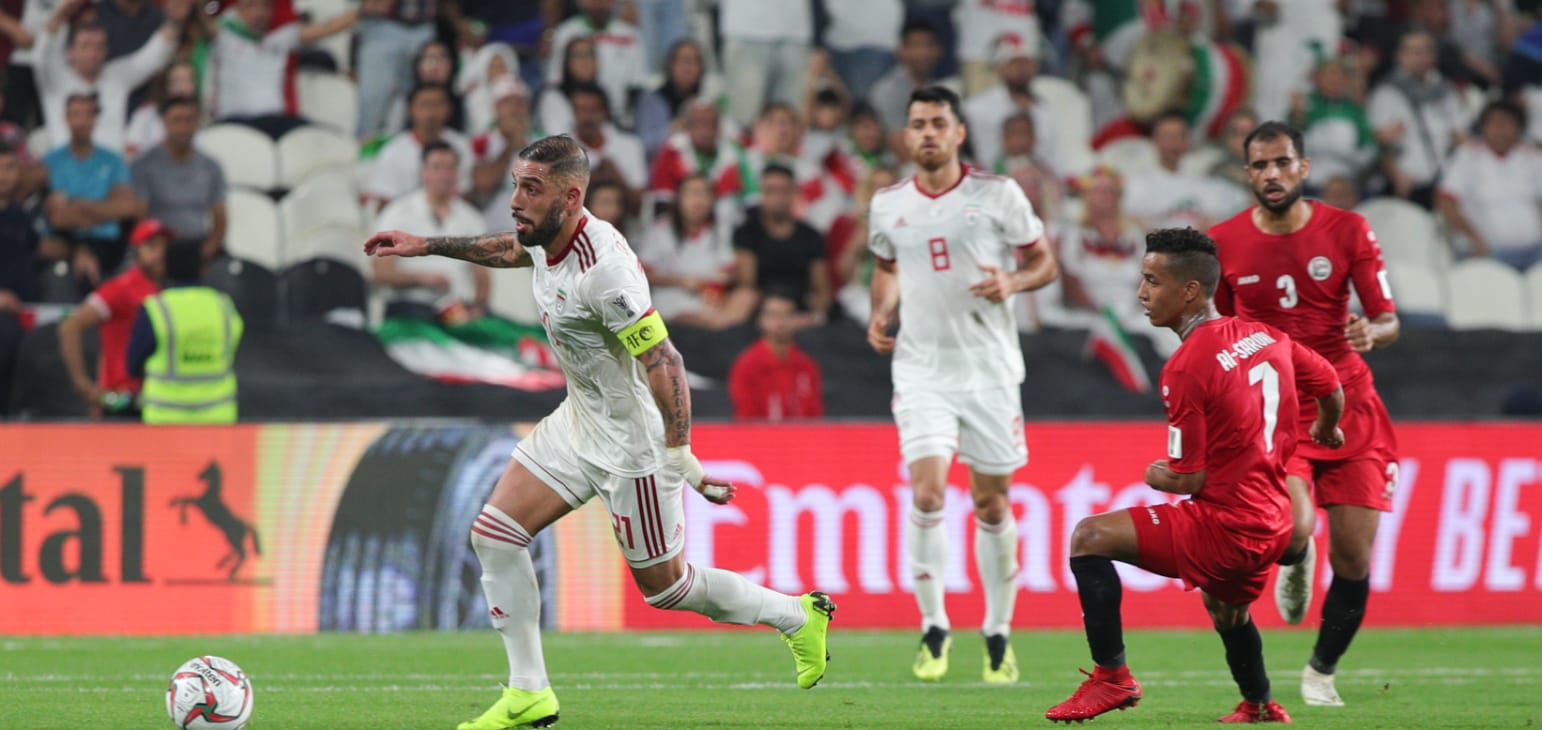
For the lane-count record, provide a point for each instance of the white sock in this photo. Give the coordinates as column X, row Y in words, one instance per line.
column 995, row 555
column 513, row 598
column 727, row 597
column 927, row 544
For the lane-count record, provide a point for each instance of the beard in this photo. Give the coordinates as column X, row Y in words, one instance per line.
column 544, row 232
column 931, row 164
column 1291, row 196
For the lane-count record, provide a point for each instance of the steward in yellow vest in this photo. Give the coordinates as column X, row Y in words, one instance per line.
column 184, row 346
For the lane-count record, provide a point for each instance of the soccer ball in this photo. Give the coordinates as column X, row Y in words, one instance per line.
column 209, row 692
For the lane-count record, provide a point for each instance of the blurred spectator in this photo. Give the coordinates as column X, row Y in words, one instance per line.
column 1341, row 192
column 919, row 54
column 773, row 380
column 390, row 34
column 776, row 250
column 981, row 26
column 433, row 64
column 578, row 67
column 685, row 78
column 1418, row 114
column 1019, row 161
column 699, row 148
column 399, row 165
column 145, row 129
column 183, row 346
column 826, row 125
column 1491, row 191
column 77, row 63
column 249, row 58
column 89, row 193
column 861, row 38
column 1166, row 197
column 426, row 286
column 1229, row 159
column 32, row 176
column 687, row 258
column 18, row 246
column 613, row 154
column 765, row 52
column 129, row 24
column 1289, row 39
column 182, row 187
column 1016, row 62
column 1333, row 123
column 618, row 50
column 851, row 272
column 1474, row 29
column 1100, row 255
column 777, row 139
column 24, row 108
column 866, row 148
column 113, row 307
column 663, row 23
column 1454, row 62
column 494, row 150
column 477, row 80
column 606, row 199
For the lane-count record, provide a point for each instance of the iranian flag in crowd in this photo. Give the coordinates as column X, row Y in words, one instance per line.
column 1110, row 343
column 490, row 350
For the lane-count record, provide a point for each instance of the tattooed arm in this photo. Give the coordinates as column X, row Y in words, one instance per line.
column 498, row 250
column 671, row 391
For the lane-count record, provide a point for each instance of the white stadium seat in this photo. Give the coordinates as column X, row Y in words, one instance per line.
column 329, row 99
column 310, row 148
column 326, row 198
column 1417, row 289
column 1073, row 121
column 1534, row 294
column 510, row 295
column 246, row 155
column 1406, row 232
column 1486, row 294
column 1129, row 155
column 253, row 231
column 338, row 242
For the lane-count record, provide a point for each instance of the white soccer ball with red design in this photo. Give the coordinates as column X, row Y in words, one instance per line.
column 208, row 692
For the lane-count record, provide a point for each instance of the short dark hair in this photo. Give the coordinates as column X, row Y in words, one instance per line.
column 76, row 29
column 918, row 25
column 1024, row 117
column 864, row 109
column 1503, row 106
column 562, row 155
column 829, row 97
column 1273, row 130
column 172, row 102
column 777, row 168
column 606, row 184
column 96, row 104
column 777, row 106
column 427, row 86
column 1191, row 255
column 439, row 145
column 184, row 260
column 937, row 94
column 588, row 87
column 1171, row 115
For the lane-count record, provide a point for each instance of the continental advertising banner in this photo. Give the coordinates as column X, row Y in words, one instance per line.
column 296, row 528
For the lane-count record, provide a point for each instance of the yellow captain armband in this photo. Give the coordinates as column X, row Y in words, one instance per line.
column 642, row 335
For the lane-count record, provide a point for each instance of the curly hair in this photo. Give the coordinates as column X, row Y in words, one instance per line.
column 1191, row 255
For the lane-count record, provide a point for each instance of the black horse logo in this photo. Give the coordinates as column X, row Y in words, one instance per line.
column 212, row 504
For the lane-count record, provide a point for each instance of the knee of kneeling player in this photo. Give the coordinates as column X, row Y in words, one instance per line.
column 1089, row 538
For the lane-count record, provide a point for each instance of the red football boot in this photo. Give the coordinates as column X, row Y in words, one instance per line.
column 1104, row 691
column 1258, row 712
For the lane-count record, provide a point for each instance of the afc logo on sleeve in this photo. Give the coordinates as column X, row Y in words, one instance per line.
column 641, row 339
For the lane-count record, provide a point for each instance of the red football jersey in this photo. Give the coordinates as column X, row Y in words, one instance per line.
column 1223, row 390
column 1299, row 282
column 117, row 300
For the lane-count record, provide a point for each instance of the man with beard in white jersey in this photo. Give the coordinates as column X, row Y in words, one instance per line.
column 952, row 246
column 623, row 434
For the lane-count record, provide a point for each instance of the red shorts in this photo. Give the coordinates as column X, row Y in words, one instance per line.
column 1363, row 472
column 1187, row 542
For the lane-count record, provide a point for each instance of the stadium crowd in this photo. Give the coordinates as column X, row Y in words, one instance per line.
column 738, row 142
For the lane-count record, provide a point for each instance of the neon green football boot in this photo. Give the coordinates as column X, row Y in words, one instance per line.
column 808, row 643
column 1000, row 661
column 517, row 708
column 931, row 662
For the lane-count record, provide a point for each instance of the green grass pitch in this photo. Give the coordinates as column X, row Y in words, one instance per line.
column 1455, row 678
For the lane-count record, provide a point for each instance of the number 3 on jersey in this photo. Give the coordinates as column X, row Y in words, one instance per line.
column 939, row 249
column 1270, row 378
column 1287, row 285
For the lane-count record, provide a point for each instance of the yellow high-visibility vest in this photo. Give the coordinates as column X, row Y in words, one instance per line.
column 191, row 377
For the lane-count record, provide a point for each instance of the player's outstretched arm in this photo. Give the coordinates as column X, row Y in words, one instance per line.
column 1162, row 478
column 498, row 250
column 672, row 392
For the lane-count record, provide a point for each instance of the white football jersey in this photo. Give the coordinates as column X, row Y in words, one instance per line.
column 594, row 290
column 950, row 339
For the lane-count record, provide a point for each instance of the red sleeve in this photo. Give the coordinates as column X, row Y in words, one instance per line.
column 666, row 171
column 1368, row 272
column 815, row 408
column 112, row 294
column 745, row 390
column 1183, row 396
column 1223, row 297
column 1315, row 378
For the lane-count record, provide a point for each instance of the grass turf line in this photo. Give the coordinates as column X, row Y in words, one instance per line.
column 1467, row 678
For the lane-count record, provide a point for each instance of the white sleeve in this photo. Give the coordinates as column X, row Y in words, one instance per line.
column 632, row 162
column 617, row 293
column 393, row 217
column 50, row 59
column 878, row 240
column 137, row 67
column 1018, row 224
column 1385, row 108
column 385, row 182
column 1457, row 175
column 282, row 40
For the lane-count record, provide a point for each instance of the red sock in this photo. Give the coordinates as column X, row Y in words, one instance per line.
column 1117, row 676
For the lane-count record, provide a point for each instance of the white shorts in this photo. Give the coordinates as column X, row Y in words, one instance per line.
column 985, row 427
column 645, row 512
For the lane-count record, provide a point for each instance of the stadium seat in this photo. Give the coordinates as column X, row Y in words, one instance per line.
column 1129, row 155
column 1073, row 121
column 1534, row 294
column 510, row 295
column 252, row 287
column 329, row 99
column 308, row 149
column 340, row 243
column 1486, row 294
column 253, row 232
column 1420, row 293
column 326, row 198
column 1406, row 232
column 319, row 287
column 246, row 155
